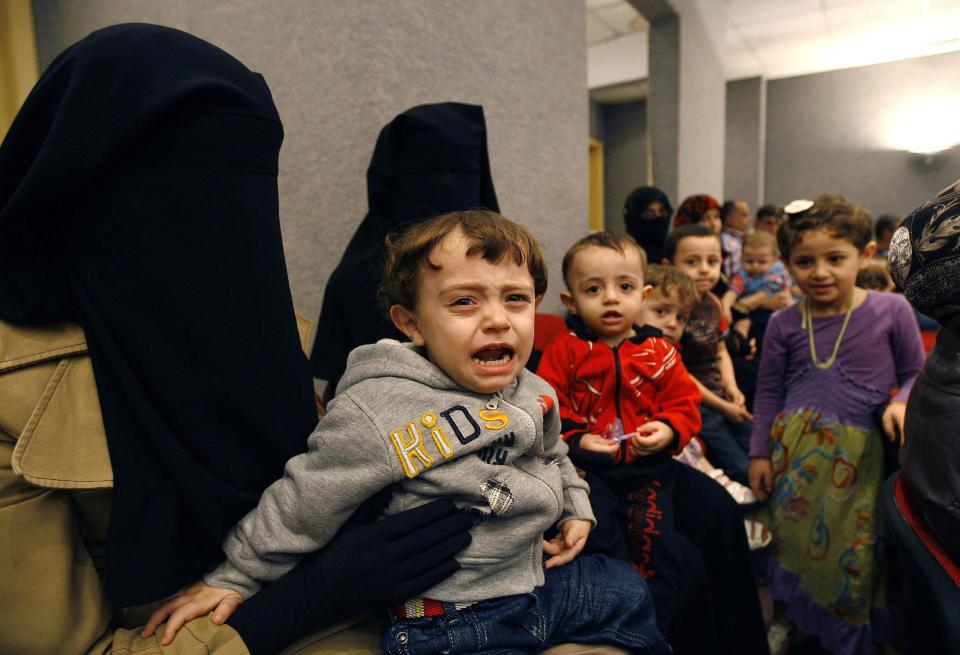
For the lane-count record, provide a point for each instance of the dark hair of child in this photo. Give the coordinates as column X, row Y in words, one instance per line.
column 726, row 209
column 684, row 231
column 491, row 235
column 885, row 223
column 671, row 282
column 769, row 210
column 761, row 239
column 617, row 241
column 830, row 211
column 876, row 276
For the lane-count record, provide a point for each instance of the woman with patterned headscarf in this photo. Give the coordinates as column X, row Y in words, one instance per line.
column 699, row 209
column 925, row 262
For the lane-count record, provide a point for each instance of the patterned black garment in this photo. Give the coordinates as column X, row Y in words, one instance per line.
column 925, row 257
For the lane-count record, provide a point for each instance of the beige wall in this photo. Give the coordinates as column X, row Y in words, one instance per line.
column 340, row 70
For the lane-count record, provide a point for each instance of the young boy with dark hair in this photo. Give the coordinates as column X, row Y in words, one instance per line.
column 623, row 391
column 768, row 219
column 695, row 250
column 626, row 405
column 669, row 307
column 670, row 304
column 453, row 414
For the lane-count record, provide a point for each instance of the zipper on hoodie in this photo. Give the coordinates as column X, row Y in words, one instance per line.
column 618, row 375
column 497, row 397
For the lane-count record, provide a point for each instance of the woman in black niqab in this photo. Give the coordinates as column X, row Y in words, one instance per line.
column 646, row 213
column 428, row 160
column 138, row 198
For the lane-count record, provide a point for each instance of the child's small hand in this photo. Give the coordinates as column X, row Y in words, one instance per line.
column 196, row 600
column 597, row 444
column 761, row 477
column 893, row 417
column 651, row 437
column 568, row 544
column 734, row 395
column 735, row 413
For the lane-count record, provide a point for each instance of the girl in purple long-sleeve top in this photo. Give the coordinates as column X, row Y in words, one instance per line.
column 830, row 364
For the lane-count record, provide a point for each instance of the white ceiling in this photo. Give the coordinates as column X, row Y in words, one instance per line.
column 609, row 19
column 783, row 38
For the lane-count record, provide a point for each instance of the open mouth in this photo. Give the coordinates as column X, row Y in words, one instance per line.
column 610, row 317
column 494, row 356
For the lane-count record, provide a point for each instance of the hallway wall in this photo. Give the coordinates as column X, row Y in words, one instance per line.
column 339, row 71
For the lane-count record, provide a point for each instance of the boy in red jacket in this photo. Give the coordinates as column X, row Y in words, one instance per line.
column 623, row 391
column 627, row 404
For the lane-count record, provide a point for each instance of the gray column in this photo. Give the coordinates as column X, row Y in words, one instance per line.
column 745, row 140
column 686, row 105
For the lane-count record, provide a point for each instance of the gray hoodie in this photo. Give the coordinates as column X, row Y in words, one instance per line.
column 398, row 419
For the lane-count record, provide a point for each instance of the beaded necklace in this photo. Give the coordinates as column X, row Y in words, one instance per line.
column 807, row 321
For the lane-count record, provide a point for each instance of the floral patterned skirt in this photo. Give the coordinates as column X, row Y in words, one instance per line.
column 826, row 563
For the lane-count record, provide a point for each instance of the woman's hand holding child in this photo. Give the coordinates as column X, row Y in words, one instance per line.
column 196, row 600
column 568, row 543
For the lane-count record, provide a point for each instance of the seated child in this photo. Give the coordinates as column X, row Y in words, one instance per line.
column 761, row 271
column 668, row 308
column 695, row 250
column 626, row 401
column 453, row 414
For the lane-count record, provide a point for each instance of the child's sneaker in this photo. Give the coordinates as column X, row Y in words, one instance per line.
column 780, row 636
column 741, row 493
column 757, row 534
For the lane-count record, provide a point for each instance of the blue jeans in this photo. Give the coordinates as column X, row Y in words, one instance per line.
column 592, row 600
column 727, row 444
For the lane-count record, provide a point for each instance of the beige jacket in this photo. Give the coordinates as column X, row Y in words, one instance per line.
column 50, row 406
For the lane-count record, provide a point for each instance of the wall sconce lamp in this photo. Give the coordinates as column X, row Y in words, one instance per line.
column 926, row 128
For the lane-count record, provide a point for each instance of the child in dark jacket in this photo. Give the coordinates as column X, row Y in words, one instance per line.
column 695, row 250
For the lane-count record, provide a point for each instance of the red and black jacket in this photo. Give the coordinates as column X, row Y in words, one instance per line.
column 643, row 379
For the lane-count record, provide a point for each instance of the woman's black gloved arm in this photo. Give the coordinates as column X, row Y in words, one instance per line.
column 369, row 566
